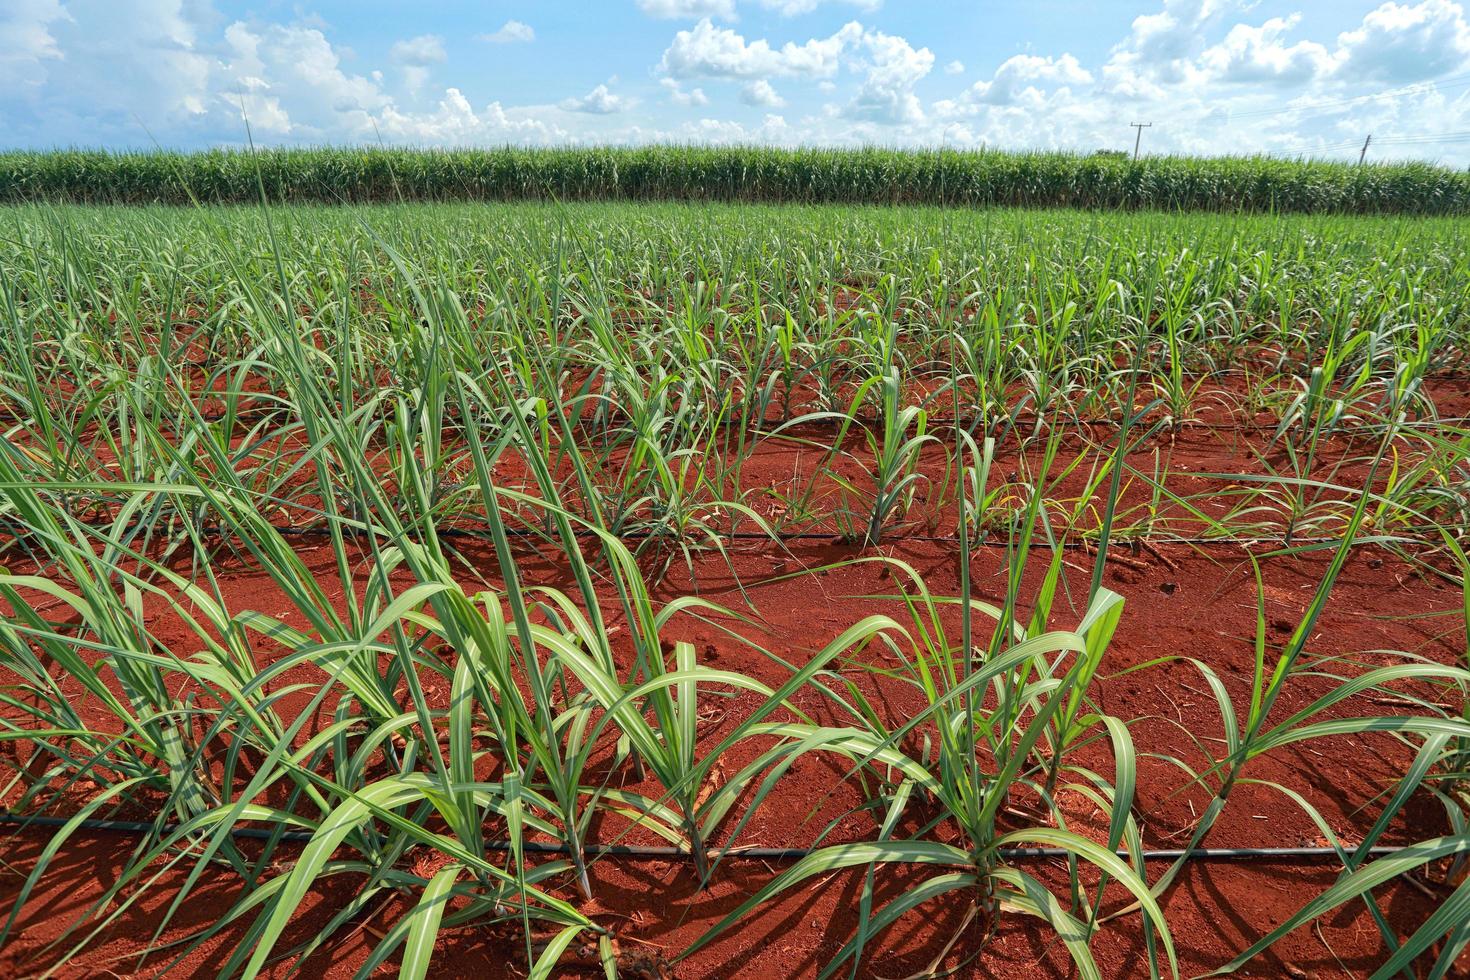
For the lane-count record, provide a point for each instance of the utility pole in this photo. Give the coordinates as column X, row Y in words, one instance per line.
column 1364, row 151
column 1139, row 138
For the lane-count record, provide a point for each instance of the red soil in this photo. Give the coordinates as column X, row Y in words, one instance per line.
column 1180, row 603
column 1203, row 606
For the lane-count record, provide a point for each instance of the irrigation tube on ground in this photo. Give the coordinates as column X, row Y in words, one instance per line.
column 739, row 853
column 831, row 537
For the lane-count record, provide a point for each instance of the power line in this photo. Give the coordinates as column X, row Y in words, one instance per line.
column 1452, row 81
column 1436, row 138
column 1409, row 141
column 1406, row 141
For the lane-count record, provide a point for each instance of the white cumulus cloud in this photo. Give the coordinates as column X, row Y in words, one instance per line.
column 1258, row 54
column 26, row 40
column 511, row 32
column 600, row 101
column 791, row 8
column 893, row 67
column 414, row 56
column 681, row 96
column 688, row 8
column 299, row 64
column 1406, row 42
column 456, row 123
column 707, row 51
column 1022, row 75
column 760, row 92
column 1158, row 49
column 725, row 9
column 427, row 49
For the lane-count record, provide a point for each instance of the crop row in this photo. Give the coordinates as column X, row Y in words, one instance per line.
column 752, row 174
column 749, row 311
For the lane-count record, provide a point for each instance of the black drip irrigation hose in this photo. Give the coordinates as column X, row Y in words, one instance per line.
column 830, row 537
column 766, row 427
column 836, row 538
column 643, row 853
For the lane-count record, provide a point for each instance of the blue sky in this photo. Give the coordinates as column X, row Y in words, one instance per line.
column 1213, row 76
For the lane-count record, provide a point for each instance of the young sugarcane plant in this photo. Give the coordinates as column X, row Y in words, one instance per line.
column 1458, row 762
column 1249, row 737
column 987, row 750
column 993, row 709
column 693, row 804
column 323, row 772
column 1071, row 725
column 895, row 477
column 1438, row 770
column 1440, row 767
